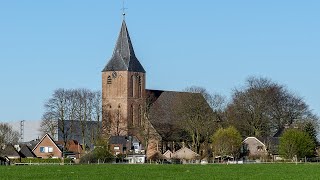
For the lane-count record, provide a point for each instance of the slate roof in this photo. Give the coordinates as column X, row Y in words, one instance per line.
column 279, row 132
column 73, row 131
column 272, row 144
column 27, row 152
column 164, row 108
column 118, row 140
column 31, row 144
column 10, row 151
column 123, row 57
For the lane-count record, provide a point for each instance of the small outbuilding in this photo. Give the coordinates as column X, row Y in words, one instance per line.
column 186, row 155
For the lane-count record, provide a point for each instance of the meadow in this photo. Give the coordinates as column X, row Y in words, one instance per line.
column 168, row 171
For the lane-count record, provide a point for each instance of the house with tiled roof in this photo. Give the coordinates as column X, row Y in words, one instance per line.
column 73, row 149
column 186, row 155
column 10, row 152
column 255, row 148
column 47, row 148
column 261, row 147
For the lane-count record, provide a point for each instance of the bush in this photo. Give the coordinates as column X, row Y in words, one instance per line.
column 40, row 160
column 99, row 154
column 120, row 158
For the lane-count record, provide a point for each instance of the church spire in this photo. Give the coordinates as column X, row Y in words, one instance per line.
column 123, row 57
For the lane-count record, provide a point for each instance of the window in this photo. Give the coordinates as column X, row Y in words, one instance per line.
column 109, row 80
column 132, row 115
column 120, row 86
column 132, row 93
column 50, row 149
column 140, row 115
column 139, row 80
column 140, row 87
column 46, row 149
column 42, row 149
column 259, row 148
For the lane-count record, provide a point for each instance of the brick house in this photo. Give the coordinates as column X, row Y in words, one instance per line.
column 255, row 147
column 47, row 148
column 73, row 148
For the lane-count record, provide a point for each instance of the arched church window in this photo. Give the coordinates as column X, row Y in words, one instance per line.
column 140, row 87
column 140, row 115
column 132, row 115
column 132, row 86
column 120, row 86
column 139, row 77
column 119, row 114
column 109, row 80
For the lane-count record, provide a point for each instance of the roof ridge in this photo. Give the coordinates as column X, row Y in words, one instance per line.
column 50, row 138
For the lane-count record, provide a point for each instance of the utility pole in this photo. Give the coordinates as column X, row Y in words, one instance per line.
column 22, row 130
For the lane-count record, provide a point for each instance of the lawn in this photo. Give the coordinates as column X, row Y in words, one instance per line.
column 126, row 171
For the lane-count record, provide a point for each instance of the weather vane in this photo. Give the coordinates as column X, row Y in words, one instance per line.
column 123, row 9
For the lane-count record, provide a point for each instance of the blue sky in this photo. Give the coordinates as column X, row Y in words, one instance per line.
column 45, row 45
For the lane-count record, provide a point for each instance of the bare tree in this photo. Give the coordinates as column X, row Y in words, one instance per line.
column 49, row 124
column 7, row 134
column 216, row 101
column 57, row 107
column 96, row 116
column 72, row 109
column 147, row 131
column 87, row 109
column 83, row 111
column 196, row 113
column 263, row 107
column 97, row 110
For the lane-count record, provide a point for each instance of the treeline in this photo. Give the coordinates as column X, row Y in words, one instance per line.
column 260, row 108
column 263, row 107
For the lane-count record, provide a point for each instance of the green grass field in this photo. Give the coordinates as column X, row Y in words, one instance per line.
column 126, row 171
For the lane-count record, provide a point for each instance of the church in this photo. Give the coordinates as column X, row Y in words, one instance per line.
column 132, row 113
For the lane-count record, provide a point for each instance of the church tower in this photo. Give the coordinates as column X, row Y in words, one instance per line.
column 123, row 89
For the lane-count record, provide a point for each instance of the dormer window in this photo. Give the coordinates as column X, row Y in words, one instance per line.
column 109, row 80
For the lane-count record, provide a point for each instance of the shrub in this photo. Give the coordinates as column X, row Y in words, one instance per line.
column 99, row 154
